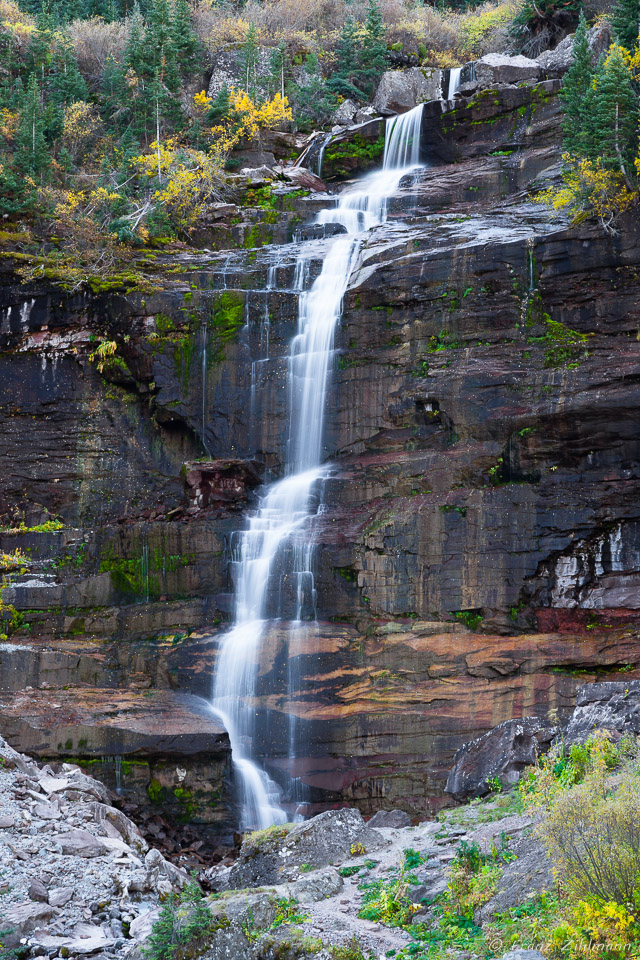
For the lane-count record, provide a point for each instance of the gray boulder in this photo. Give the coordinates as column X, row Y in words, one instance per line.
column 555, row 63
column 38, row 891
column 345, row 113
column 495, row 68
column 316, row 885
column 81, row 843
column 229, row 68
column 24, row 918
column 384, row 819
column 502, row 752
column 522, row 955
column 613, row 706
column 60, row 895
column 277, row 854
column 522, row 879
column 365, row 114
column 402, row 90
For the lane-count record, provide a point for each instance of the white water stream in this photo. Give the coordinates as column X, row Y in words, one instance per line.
column 274, row 534
column 454, row 82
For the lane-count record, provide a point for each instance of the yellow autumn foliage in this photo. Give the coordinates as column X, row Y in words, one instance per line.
column 201, row 103
column 589, row 189
column 246, row 119
column 16, row 22
column 192, row 185
column 8, row 123
column 81, row 122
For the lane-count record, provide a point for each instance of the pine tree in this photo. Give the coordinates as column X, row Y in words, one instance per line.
column 342, row 81
column 186, row 44
column 625, row 21
column 277, row 65
column 372, row 57
column 249, row 58
column 615, row 115
column 66, row 84
column 220, row 107
column 314, row 103
column 32, row 155
column 576, row 87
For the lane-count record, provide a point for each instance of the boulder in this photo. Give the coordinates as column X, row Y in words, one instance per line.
column 613, row 706
column 365, row 114
column 495, row 68
column 556, row 62
column 401, row 90
column 212, row 482
column 390, row 818
column 229, row 68
column 160, row 871
column 22, row 919
column 304, row 179
column 258, row 908
column 81, row 843
column 502, row 752
column 316, row 885
column 58, row 896
column 38, row 891
column 529, row 875
column 125, row 829
column 345, row 113
column 276, row 854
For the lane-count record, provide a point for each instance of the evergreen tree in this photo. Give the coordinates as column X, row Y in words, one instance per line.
column 625, row 21
column 615, row 115
column 575, row 94
column 32, row 156
column 341, row 81
column 314, row 102
column 220, row 107
column 186, row 45
column 277, row 66
column 249, row 57
column 372, row 54
column 66, row 84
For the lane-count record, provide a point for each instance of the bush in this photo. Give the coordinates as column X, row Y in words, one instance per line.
column 542, row 23
column 594, row 838
column 94, row 42
column 183, row 929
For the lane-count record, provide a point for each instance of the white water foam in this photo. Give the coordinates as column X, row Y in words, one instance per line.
column 275, row 535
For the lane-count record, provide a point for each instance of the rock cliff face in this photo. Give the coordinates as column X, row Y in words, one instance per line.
column 479, row 554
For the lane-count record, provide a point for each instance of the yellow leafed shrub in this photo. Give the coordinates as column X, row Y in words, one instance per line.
column 589, row 189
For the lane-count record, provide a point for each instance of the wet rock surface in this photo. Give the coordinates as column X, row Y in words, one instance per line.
column 477, row 545
column 500, row 755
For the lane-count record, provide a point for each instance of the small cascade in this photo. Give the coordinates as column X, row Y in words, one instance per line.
column 204, row 386
column 455, row 75
column 274, row 549
column 320, row 156
column 144, row 569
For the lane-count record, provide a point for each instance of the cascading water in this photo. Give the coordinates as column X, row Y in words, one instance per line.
column 454, row 81
column 274, row 535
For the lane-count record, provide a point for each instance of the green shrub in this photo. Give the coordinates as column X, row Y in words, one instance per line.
column 413, row 858
column 183, row 929
column 594, row 838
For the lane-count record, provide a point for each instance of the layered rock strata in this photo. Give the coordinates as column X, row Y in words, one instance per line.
column 479, row 548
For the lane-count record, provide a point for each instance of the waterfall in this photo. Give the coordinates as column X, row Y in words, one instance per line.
column 274, row 539
column 454, row 81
